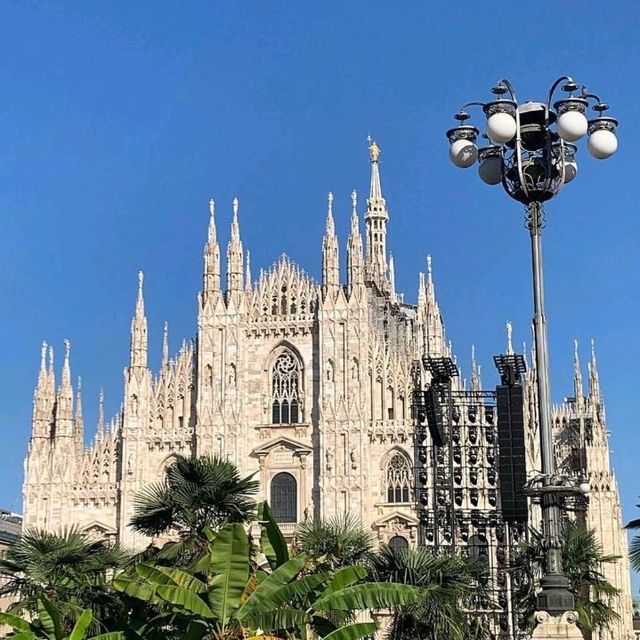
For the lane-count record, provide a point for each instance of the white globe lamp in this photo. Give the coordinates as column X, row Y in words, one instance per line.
column 602, row 144
column 501, row 127
column 490, row 169
column 570, row 171
column 463, row 153
column 572, row 125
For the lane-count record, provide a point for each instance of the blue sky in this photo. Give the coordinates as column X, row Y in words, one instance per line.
column 119, row 120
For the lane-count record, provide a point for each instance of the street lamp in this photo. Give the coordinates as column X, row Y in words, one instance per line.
column 530, row 150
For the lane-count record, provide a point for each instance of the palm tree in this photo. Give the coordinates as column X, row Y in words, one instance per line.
column 582, row 561
column 448, row 585
column 195, row 495
column 634, row 547
column 69, row 568
column 339, row 541
column 223, row 596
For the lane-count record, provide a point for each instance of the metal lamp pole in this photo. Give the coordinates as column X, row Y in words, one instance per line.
column 530, row 152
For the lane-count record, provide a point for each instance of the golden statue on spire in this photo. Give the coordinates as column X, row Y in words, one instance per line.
column 374, row 149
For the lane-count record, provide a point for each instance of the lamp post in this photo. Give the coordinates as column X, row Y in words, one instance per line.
column 531, row 153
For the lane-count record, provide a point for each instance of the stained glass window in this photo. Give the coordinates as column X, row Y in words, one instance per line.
column 398, row 479
column 285, row 389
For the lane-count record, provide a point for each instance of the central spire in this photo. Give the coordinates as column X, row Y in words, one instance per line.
column 376, row 220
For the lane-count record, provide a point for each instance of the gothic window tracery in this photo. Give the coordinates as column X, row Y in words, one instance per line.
column 285, row 389
column 398, row 478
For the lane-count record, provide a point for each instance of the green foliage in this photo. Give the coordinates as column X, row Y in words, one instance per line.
column 634, row 547
column 336, row 542
column 582, row 560
column 195, row 495
column 69, row 568
column 226, row 599
column 448, row 585
column 272, row 541
column 48, row 624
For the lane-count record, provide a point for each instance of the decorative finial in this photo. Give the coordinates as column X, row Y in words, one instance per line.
column 330, row 204
column 67, row 350
column 140, row 281
column 212, row 207
column 43, row 355
column 509, row 335
column 575, row 351
column 429, row 264
column 79, row 384
column 51, row 359
column 593, row 349
column 236, row 204
column 374, row 149
column 354, row 202
column 165, row 344
column 247, row 276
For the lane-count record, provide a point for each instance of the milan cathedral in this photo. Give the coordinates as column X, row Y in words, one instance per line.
column 310, row 387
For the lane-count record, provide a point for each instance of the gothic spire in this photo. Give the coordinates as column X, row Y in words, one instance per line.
column 42, row 374
column 139, row 330
column 376, row 220
column 434, row 329
column 392, row 278
column 355, row 260
column 43, row 398
column 234, row 253
column 594, row 378
column 100, row 427
column 51, row 374
column 330, row 265
column 165, row 345
column 78, row 418
column 64, row 398
column 66, row 367
column 476, row 385
column 577, row 375
column 247, row 272
column 212, row 254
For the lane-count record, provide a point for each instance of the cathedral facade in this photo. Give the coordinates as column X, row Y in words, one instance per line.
column 309, row 386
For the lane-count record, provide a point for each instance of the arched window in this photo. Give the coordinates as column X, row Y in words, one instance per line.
column 399, row 544
column 398, row 479
column 478, row 548
column 285, row 389
column 284, row 498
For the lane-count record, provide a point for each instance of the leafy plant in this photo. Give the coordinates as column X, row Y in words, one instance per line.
column 195, row 495
column 48, row 624
column 222, row 598
column 68, row 568
column 339, row 541
column 582, row 560
column 447, row 585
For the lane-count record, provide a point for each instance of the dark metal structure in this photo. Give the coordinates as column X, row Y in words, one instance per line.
column 458, row 481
